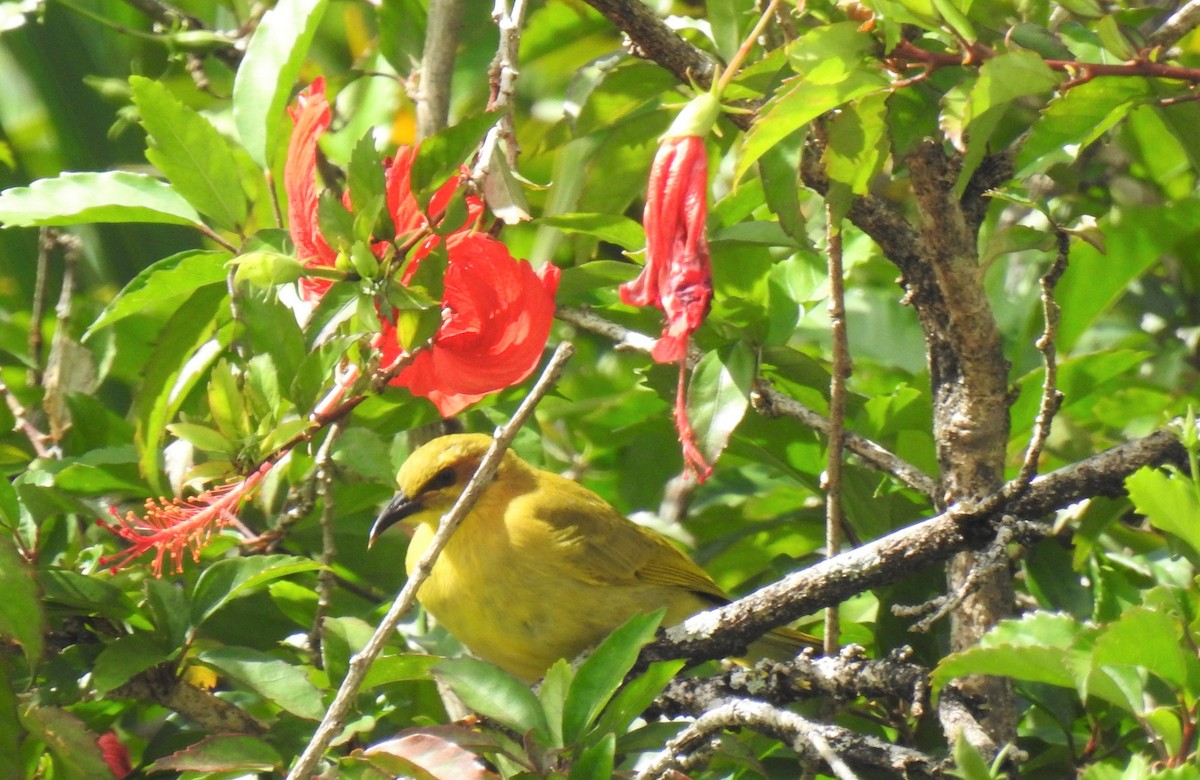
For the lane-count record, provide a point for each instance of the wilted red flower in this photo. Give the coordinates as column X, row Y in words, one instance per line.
column 115, row 754
column 172, row 526
column 496, row 317
column 677, row 277
column 311, row 115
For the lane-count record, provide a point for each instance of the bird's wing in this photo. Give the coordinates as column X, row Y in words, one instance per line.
column 596, row 543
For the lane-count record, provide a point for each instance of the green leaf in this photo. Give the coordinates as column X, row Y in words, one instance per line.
column 968, row 763
column 441, row 155
column 600, row 676
column 400, row 668
column 718, row 396
column 202, row 437
column 268, row 269
column 1073, row 120
column 169, row 609
column 495, row 694
column 90, row 594
column 127, row 656
column 189, row 343
column 228, row 579
column 596, row 760
column 594, row 280
column 22, row 619
column 191, row 154
column 268, row 71
column 857, row 146
column 163, row 286
column 11, row 733
column 221, row 754
column 1002, row 80
column 76, row 754
column 272, row 678
column 636, row 696
column 1169, row 501
column 366, row 181
column 620, row 92
column 1039, row 647
column 613, row 228
column 800, row 101
column 81, row 198
column 1146, row 639
column 553, row 695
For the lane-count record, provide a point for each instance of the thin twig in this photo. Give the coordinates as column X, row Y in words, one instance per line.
column 1051, row 397
column 767, row 401
column 326, row 581
column 47, row 241
column 335, row 716
column 503, row 76
column 813, row 739
column 839, row 373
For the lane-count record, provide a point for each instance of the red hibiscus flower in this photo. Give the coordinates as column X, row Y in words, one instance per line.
column 496, row 317
column 496, row 311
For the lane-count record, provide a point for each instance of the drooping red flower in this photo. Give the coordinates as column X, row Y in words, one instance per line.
column 171, row 526
column 496, row 318
column 115, row 754
column 677, row 277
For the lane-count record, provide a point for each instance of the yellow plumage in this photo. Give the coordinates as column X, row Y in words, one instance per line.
column 541, row 568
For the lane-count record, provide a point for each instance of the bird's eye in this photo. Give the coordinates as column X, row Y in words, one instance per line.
column 443, row 479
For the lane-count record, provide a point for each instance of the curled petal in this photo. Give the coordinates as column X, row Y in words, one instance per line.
column 311, row 116
column 677, row 277
column 496, row 318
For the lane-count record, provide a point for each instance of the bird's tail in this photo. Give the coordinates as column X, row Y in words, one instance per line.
column 781, row 644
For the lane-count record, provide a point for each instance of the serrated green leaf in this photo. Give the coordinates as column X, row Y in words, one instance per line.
column 441, row 154
column 595, row 760
column 165, row 285
column 1148, row 639
column 191, row 154
column 22, row 619
column 1169, row 501
column 228, row 579
column 73, row 745
column 268, row 70
column 127, row 656
column 553, row 695
column 82, row 198
column 599, row 677
column 274, row 679
column 203, row 437
column 221, row 754
column 169, row 610
column 799, row 102
column 400, row 668
column 636, row 696
column 620, row 92
column 495, row 694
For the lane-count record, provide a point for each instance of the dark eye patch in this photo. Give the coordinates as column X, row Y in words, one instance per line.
column 443, row 479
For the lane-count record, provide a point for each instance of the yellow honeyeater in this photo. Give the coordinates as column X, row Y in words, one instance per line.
column 541, row 568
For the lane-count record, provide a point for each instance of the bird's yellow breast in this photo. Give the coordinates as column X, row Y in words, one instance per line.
column 522, row 582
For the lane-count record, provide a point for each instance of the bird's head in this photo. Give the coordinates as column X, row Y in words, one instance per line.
column 431, row 480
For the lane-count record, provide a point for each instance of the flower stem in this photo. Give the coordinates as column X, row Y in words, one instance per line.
column 744, row 49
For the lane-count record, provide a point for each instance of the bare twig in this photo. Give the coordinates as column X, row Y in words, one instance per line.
column 825, row 743
column 1051, row 397
column 994, row 557
column 721, row 632
column 767, row 401
column 335, row 716
column 326, row 580
column 839, row 372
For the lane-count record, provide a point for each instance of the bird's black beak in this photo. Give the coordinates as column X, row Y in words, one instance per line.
column 400, row 507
